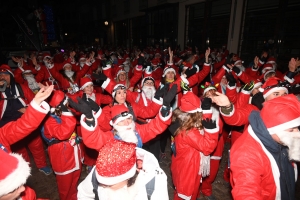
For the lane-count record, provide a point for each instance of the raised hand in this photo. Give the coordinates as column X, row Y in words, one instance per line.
column 221, row 100
column 43, row 94
column 82, row 107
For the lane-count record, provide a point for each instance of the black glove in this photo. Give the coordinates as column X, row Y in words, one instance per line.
column 258, row 100
column 170, row 96
column 82, row 107
column 93, row 105
column 141, row 60
column 174, row 126
column 191, row 71
column 62, row 106
column 236, row 69
column 231, row 80
column 105, row 63
column 206, row 103
column 295, row 89
column 165, row 110
column 209, row 123
column 161, row 91
column 100, row 77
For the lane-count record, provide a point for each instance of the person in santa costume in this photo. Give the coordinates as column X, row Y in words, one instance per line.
column 60, row 133
column 261, row 159
column 119, row 94
column 195, row 138
column 14, row 169
column 124, row 171
column 13, row 104
column 124, row 127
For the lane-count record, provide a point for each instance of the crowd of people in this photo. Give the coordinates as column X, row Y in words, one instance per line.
column 112, row 111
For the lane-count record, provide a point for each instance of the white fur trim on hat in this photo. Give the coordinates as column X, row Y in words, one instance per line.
column 66, row 65
column 194, row 111
column 116, row 179
column 275, row 89
column 257, row 85
column 113, row 93
column 170, row 69
column 281, row 127
column 268, row 72
column 209, row 88
column 86, row 84
column 17, row 177
column 119, row 119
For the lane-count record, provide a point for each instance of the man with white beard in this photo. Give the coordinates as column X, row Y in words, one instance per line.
column 125, row 172
column 261, row 160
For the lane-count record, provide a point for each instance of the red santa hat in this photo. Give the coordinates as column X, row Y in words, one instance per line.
column 66, row 64
column 82, row 57
column 271, row 60
column 119, row 113
column 257, row 83
column 116, row 162
column 117, row 87
column 272, row 85
column 177, row 61
column 209, row 86
column 187, row 65
column 46, row 55
column 121, row 70
column 56, row 97
column 285, row 111
column 155, row 61
column 267, row 67
column 14, row 172
column 146, row 79
column 190, row 103
column 6, row 69
column 85, row 81
column 168, row 69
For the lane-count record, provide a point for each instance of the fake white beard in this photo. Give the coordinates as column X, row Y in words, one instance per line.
column 126, row 68
column 292, row 141
column 127, row 135
column 81, row 64
column 149, row 91
column 241, row 67
column 69, row 73
column 32, row 84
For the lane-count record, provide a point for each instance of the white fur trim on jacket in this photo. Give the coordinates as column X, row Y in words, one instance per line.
column 44, row 109
column 274, row 166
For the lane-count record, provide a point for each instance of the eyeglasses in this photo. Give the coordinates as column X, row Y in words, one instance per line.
column 120, row 87
column 123, row 114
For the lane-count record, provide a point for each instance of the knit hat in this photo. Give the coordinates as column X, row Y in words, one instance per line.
column 119, row 113
column 281, row 113
column 116, row 162
column 117, row 87
column 146, row 79
column 6, row 69
column 190, row 103
column 14, row 172
column 168, row 69
column 85, row 81
column 273, row 84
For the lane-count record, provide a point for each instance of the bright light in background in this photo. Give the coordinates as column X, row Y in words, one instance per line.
column 106, row 23
column 66, row 33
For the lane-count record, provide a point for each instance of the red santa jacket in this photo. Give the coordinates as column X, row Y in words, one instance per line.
column 67, row 148
column 95, row 138
column 64, row 82
column 188, row 147
column 14, row 131
column 251, row 169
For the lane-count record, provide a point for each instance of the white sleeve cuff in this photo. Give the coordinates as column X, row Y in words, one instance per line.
column 44, row 109
column 105, row 83
column 167, row 117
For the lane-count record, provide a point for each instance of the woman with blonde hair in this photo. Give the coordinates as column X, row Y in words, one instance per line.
column 195, row 138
